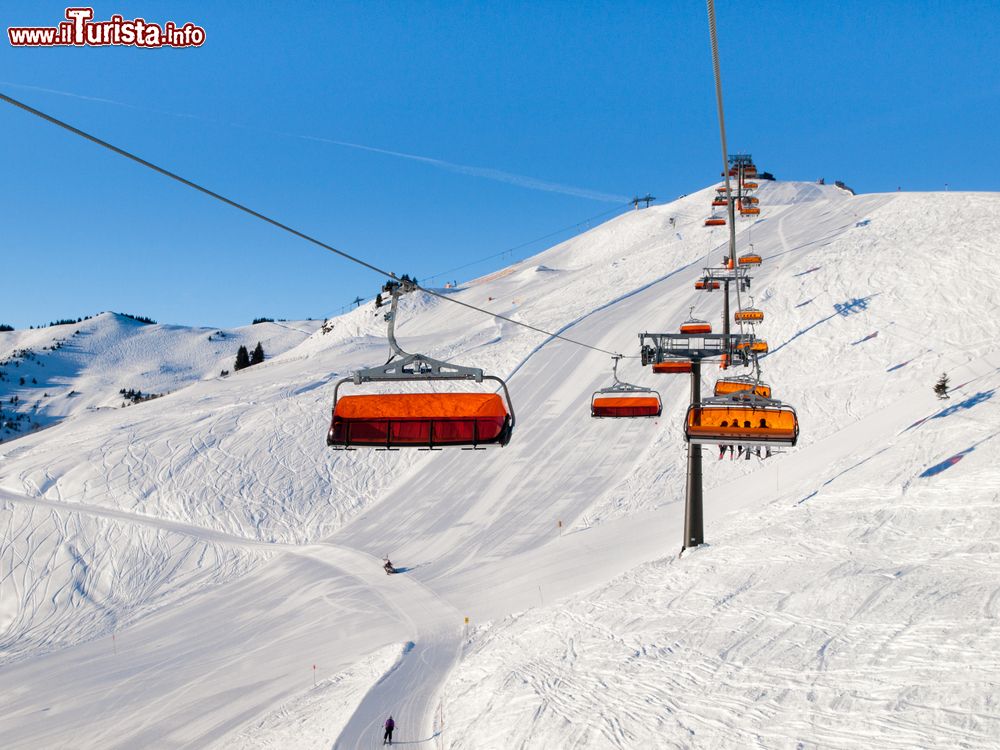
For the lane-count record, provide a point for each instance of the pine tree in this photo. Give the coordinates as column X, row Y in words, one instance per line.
column 941, row 388
column 242, row 358
column 258, row 355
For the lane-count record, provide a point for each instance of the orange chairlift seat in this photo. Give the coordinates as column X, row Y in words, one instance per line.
column 750, row 200
column 741, row 384
column 625, row 400
column 694, row 325
column 721, row 190
column 750, row 258
column 715, row 221
column 720, row 201
column 418, row 420
column 749, row 185
column 672, row 367
column 749, row 210
column 707, row 285
column 750, row 170
column 758, row 345
column 748, row 315
column 750, row 420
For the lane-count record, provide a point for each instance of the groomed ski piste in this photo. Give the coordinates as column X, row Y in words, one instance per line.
column 201, row 571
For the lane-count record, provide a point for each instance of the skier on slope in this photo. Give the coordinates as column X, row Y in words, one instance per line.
column 389, row 726
column 389, row 569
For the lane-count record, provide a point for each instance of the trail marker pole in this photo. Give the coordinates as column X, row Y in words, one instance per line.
column 314, row 675
column 114, row 644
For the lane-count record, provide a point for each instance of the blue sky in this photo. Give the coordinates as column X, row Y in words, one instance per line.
column 587, row 102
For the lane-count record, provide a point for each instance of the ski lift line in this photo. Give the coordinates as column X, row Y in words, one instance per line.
column 530, row 327
column 273, row 222
column 189, row 183
column 545, row 237
column 716, row 68
column 731, row 204
column 530, row 242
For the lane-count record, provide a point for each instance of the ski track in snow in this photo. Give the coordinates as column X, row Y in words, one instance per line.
column 227, row 552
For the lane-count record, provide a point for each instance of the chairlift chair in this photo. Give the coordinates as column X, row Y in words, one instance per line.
column 715, row 221
column 750, row 185
column 750, row 258
column 742, row 384
column 744, row 420
column 749, row 314
column 757, row 346
column 418, row 420
column 672, row 367
column 624, row 399
column 695, row 326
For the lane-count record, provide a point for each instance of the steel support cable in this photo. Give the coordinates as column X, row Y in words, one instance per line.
column 284, row 227
column 529, row 242
column 731, row 206
column 500, row 254
column 722, row 127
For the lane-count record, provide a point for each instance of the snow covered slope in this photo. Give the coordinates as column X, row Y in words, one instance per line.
column 844, row 584
column 64, row 370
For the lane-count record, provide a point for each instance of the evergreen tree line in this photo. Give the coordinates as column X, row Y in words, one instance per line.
column 136, row 396
column 245, row 359
column 139, row 318
column 64, row 322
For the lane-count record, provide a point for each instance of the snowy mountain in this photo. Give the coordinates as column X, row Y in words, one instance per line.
column 181, row 571
column 63, row 370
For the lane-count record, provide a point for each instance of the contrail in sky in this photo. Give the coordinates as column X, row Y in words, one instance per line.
column 486, row 173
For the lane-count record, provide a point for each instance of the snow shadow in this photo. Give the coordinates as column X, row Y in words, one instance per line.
column 415, row 742
column 853, row 306
column 899, row 366
column 952, row 460
column 946, row 464
column 869, row 337
column 971, row 401
column 843, row 309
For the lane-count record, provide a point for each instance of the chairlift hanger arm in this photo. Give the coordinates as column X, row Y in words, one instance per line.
column 620, row 386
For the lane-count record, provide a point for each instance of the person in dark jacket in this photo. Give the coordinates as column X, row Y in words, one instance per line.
column 389, row 726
